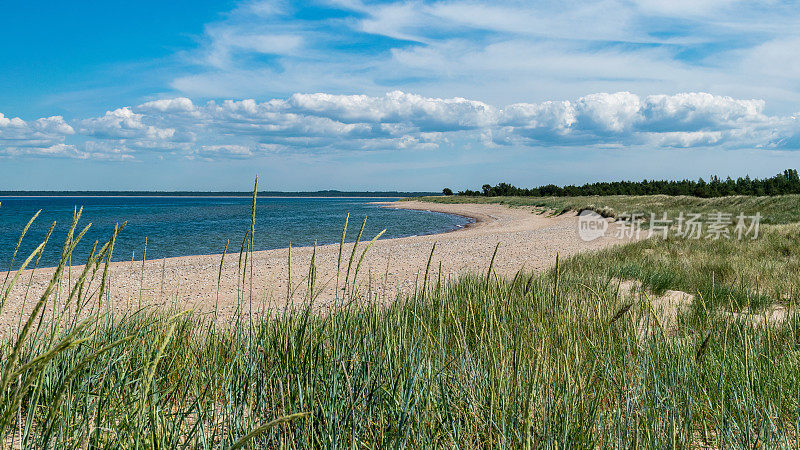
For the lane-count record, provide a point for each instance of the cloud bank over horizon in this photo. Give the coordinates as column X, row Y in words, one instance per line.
column 399, row 121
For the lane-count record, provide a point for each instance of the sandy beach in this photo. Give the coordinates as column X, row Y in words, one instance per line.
column 527, row 238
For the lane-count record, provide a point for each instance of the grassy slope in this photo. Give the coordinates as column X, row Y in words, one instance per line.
column 775, row 210
column 534, row 360
column 729, row 272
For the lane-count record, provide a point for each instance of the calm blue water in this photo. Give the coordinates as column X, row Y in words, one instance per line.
column 178, row 226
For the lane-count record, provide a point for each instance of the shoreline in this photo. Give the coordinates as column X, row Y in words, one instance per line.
column 385, row 204
column 528, row 241
column 473, row 219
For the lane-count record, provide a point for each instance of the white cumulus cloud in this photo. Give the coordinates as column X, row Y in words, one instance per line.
column 400, row 121
column 44, row 136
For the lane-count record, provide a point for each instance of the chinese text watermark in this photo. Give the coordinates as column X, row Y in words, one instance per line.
column 714, row 226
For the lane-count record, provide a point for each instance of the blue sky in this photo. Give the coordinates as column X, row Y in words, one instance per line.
column 351, row 94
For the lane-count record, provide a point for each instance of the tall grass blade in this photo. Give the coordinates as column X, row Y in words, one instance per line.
column 266, row 427
column 363, row 254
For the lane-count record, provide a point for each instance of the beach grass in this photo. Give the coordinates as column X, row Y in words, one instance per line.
column 558, row 359
column 779, row 209
column 747, row 273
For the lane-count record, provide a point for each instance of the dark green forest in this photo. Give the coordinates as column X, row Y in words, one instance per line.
column 787, row 182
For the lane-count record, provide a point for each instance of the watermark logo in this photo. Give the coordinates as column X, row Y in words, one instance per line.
column 591, row 225
column 712, row 226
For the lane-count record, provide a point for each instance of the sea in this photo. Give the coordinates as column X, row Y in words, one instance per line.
column 181, row 226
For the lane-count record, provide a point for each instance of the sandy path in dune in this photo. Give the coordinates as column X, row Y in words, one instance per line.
column 527, row 240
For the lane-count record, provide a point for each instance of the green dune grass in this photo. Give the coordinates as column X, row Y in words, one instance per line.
column 747, row 273
column 774, row 209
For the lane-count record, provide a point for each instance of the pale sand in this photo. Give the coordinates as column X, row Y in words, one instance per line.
column 528, row 240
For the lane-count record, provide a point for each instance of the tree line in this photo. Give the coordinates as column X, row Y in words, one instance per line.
column 787, row 182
